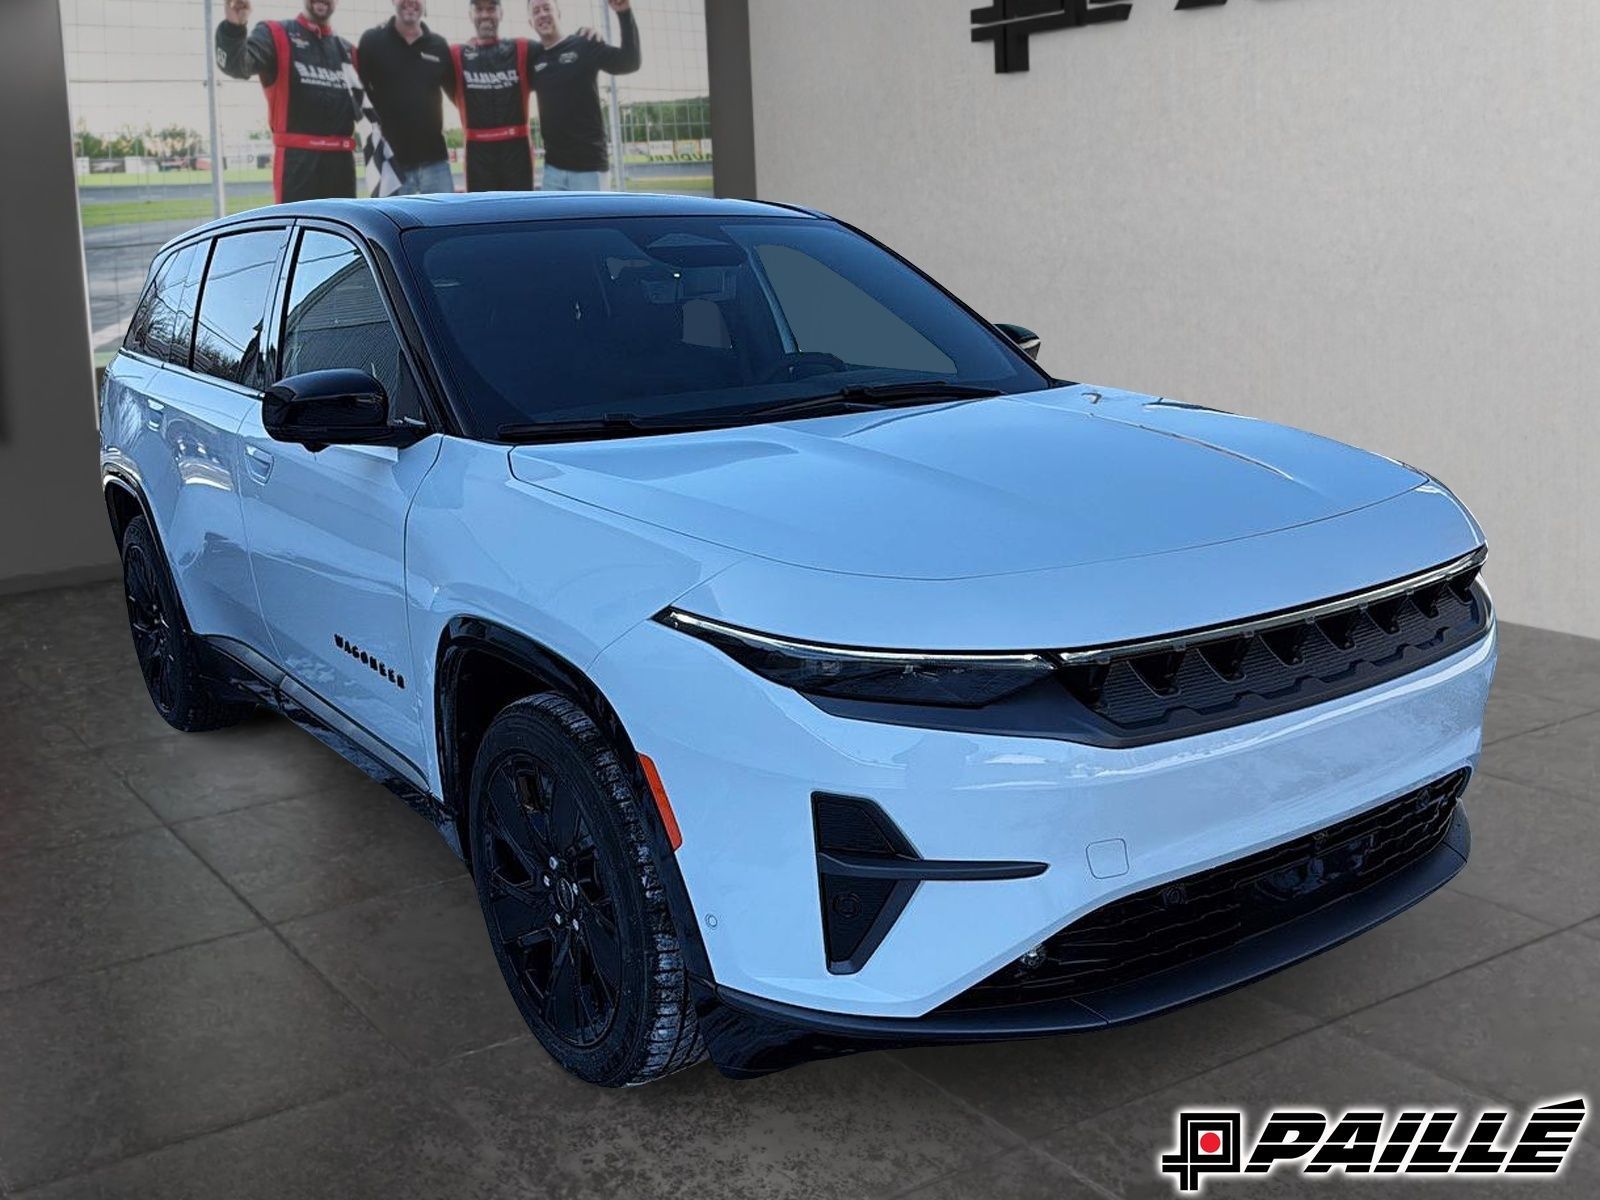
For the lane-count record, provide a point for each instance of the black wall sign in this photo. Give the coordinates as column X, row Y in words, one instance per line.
column 1010, row 23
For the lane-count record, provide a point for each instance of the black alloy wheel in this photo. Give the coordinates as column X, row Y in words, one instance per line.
column 155, row 642
column 577, row 917
column 551, row 909
column 163, row 645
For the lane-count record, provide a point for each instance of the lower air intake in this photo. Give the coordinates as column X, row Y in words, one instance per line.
column 1176, row 923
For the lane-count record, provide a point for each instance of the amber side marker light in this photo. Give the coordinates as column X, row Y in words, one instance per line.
column 663, row 806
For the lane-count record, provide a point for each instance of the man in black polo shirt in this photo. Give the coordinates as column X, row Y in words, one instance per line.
column 566, row 80
column 406, row 70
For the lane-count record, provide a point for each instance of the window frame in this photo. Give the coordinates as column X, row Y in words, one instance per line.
column 427, row 403
column 146, row 297
column 267, row 300
column 163, row 259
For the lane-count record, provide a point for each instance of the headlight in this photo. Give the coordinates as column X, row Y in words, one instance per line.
column 886, row 676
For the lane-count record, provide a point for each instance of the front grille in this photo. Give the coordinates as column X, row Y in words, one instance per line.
column 1177, row 923
column 1272, row 664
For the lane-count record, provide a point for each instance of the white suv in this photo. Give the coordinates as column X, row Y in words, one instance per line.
column 799, row 667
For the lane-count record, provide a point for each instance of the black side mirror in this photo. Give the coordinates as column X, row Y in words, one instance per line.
column 1026, row 339
column 341, row 407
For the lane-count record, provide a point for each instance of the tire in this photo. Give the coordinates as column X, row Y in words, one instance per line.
column 163, row 644
column 574, row 906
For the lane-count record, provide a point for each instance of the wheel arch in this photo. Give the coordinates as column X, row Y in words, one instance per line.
column 125, row 500
column 481, row 667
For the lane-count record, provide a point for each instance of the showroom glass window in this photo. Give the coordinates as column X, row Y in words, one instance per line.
column 233, row 305
column 336, row 318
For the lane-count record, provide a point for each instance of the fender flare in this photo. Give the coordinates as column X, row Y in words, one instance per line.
column 464, row 634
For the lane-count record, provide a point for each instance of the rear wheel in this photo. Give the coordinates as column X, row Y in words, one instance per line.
column 574, row 905
column 163, row 644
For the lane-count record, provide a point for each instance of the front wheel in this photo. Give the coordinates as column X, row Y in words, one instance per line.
column 575, row 909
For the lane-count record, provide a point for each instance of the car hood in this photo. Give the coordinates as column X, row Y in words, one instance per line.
column 1059, row 478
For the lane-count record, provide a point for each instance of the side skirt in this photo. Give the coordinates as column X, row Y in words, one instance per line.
column 254, row 676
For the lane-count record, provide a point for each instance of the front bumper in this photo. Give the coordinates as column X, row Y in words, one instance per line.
column 749, row 1036
column 741, row 760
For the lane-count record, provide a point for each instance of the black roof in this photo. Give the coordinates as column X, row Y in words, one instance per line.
column 387, row 216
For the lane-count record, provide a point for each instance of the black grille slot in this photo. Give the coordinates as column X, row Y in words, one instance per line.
column 857, row 911
column 1210, row 681
column 1177, row 923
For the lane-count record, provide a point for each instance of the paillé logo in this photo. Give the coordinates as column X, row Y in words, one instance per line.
column 1372, row 1142
column 1010, row 23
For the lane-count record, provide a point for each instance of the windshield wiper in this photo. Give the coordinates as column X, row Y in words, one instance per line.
column 611, row 425
column 855, row 398
column 866, row 397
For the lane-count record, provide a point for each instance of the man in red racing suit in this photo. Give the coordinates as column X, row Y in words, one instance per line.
column 491, row 92
column 310, row 109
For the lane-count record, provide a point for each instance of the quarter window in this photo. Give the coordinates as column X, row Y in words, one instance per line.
column 337, row 318
column 233, row 305
column 169, row 320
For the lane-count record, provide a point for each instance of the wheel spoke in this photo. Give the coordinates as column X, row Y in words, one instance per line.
column 604, row 947
column 510, row 823
column 164, row 683
column 519, row 911
column 565, row 818
column 561, row 997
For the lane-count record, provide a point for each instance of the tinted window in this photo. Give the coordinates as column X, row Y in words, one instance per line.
column 336, row 318
column 139, row 324
column 652, row 316
column 167, row 332
column 233, row 304
column 830, row 315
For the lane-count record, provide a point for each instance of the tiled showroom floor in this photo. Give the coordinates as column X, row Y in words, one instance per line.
column 230, row 966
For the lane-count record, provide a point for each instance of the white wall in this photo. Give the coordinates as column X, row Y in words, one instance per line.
column 1378, row 219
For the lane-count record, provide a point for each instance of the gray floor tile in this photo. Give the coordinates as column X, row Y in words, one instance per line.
column 63, row 622
column 1563, row 758
column 103, row 659
column 1325, row 1069
column 29, row 738
column 301, row 856
column 62, row 802
column 1557, row 666
column 263, row 759
column 1521, row 1026
column 1511, row 713
column 107, row 901
column 115, row 709
column 851, row 1127
column 1447, row 931
column 1533, row 851
column 391, row 1141
column 418, row 964
column 1025, row 1174
column 1032, row 1087
column 99, row 1067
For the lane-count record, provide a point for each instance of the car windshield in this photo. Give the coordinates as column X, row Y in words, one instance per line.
column 636, row 321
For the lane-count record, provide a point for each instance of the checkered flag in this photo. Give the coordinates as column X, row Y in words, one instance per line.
column 382, row 178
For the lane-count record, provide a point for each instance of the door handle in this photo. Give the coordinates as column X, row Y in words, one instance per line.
column 258, row 462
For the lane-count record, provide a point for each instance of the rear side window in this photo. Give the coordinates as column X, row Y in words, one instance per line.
column 169, row 327
column 139, row 325
column 337, row 318
column 233, row 305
